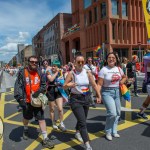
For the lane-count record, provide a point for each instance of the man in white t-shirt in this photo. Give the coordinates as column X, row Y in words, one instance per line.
column 90, row 67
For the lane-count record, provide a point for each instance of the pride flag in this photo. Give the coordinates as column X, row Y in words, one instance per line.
column 96, row 58
column 98, row 49
column 125, row 92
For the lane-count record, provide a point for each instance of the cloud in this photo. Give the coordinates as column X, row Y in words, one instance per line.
column 22, row 19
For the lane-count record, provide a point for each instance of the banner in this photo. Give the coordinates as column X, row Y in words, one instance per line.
column 146, row 8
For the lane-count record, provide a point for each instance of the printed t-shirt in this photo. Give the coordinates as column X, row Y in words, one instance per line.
column 111, row 76
column 35, row 84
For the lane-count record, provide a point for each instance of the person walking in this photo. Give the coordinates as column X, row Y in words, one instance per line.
column 124, row 64
column 54, row 95
column 29, row 83
column 146, row 103
column 131, row 73
column 90, row 67
column 79, row 81
column 110, row 77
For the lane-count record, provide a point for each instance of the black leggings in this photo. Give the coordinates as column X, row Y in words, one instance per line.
column 80, row 110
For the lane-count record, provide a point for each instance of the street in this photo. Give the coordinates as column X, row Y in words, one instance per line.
column 134, row 132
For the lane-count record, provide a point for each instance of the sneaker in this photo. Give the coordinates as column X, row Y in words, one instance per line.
column 62, row 127
column 78, row 137
column 25, row 134
column 48, row 143
column 54, row 126
column 143, row 115
column 88, row 148
column 116, row 135
column 109, row 137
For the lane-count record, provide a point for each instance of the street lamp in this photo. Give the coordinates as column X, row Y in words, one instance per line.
column 140, row 58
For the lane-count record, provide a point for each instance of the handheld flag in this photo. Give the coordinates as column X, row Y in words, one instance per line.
column 125, row 92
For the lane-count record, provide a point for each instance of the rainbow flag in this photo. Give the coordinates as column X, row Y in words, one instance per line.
column 85, row 91
column 96, row 58
column 98, row 49
column 125, row 92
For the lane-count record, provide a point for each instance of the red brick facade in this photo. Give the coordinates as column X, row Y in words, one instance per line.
column 124, row 32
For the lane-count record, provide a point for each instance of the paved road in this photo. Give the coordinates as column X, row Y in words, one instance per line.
column 135, row 133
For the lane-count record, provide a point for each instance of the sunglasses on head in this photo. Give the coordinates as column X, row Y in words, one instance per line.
column 34, row 62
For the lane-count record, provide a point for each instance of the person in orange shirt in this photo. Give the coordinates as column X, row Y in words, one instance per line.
column 30, row 81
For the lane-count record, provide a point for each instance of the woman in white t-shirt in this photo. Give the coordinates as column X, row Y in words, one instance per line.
column 110, row 77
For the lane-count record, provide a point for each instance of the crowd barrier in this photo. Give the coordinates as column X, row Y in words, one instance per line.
column 1, row 76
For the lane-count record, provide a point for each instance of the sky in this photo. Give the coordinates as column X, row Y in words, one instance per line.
column 20, row 20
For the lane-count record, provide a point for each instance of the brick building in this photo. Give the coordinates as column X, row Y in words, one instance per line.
column 116, row 25
column 47, row 43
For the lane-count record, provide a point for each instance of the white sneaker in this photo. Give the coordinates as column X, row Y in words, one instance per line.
column 88, row 148
column 109, row 137
column 62, row 127
column 78, row 137
column 55, row 127
column 116, row 135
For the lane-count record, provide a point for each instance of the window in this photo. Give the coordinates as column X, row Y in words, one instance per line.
column 89, row 54
column 113, row 30
column 90, row 17
column 85, row 20
column 103, row 10
column 124, row 9
column 95, row 14
column 87, row 3
column 115, row 9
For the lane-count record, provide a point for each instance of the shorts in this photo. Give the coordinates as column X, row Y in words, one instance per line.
column 30, row 112
column 52, row 94
column 148, row 89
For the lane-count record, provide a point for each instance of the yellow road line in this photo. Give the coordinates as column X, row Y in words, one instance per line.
column 36, row 142
column 12, row 89
column 2, row 109
column 10, row 101
column 13, row 115
column 128, row 114
column 98, row 108
column 19, row 123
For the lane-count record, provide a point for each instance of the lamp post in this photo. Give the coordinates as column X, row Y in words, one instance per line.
column 140, row 55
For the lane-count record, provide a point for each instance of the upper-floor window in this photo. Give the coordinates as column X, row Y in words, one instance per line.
column 85, row 20
column 90, row 17
column 115, row 7
column 113, row 30
column 124, row 9
column 95, row 14
column 87, row 3
column 103, row 10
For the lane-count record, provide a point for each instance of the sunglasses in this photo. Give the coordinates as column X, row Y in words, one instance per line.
column 34, row 62
column 80, row 62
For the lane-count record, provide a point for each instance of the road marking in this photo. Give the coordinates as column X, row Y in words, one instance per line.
column 2, row 108
column 13, row 115
column 127, row 113
column 36, row 142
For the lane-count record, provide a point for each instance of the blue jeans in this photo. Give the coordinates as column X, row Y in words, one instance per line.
column 111, row 99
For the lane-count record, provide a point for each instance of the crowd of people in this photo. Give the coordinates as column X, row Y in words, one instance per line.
column 80, row 84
